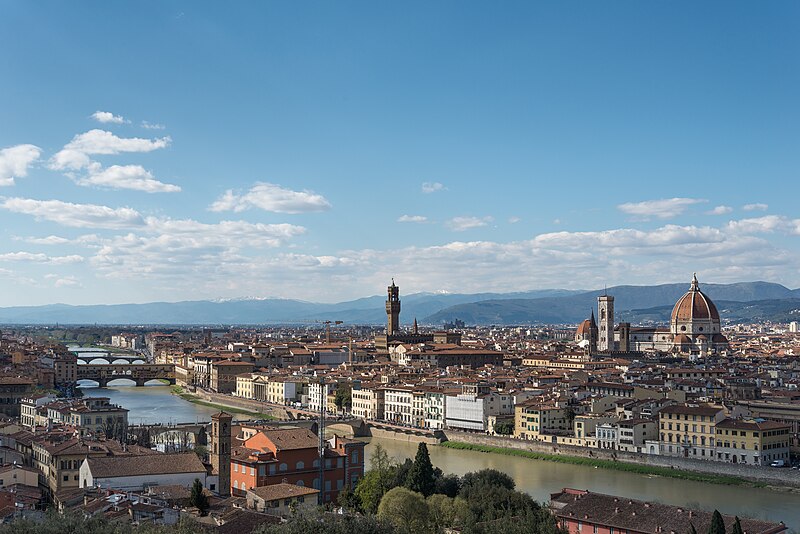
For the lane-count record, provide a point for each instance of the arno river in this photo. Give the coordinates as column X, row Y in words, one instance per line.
column 156, row 404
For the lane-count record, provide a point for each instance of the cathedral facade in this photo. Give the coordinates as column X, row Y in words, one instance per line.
column 694, row 328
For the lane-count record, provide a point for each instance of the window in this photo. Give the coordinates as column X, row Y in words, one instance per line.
column 252, row 471
column 354, row 457
column 284, row 467
column 300, row 465
column 235, row 468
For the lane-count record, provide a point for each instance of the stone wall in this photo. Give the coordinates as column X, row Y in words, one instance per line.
column 245, row 404
column 402, row 436
column 768, row 475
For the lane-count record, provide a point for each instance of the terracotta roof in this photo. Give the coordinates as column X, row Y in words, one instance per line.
column 292, row 438
column 694, row 305
column 622, row 513
column 275, row 492
column 158, row 464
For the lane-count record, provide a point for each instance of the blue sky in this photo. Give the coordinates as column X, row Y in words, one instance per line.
column 173, row 151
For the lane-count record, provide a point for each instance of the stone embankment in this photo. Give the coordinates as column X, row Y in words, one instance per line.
column 767, row 475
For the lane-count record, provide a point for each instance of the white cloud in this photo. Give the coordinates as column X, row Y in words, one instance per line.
column 152, row 126
column 661, row 209
column 514, row 220
column 75, row 215
column 49, row 240
column 75, row 154
column 15, row 160
column 765, row 225
column 108, row 117
column 432, row 187
column 68, row 281
column 271, row 197
column 720, row 210
column 133, row 177
column 459, row 224
column 40, row 258
column 758, row 206
column 412, row 219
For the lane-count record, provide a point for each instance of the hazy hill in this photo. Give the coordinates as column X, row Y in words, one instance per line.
column 633, row 303
column 575, row 308
column 369, row 310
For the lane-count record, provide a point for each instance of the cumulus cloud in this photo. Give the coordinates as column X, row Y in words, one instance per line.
column 460, row 224
column 758, row 206
column 765, row 225
column 720, row 210
column 75, row 154
column 74, row 215
column 412, row 219
column 664, row 208
column 133, row 177
column 432, row 187
column 271, row 197
column 15, row 160
column 107, row 117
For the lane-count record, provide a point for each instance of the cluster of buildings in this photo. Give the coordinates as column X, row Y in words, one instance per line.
column 695, row 388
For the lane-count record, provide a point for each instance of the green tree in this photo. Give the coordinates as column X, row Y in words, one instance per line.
column 198, row 498
column 320, row 523
column 504, row 428
column 737, row 527
column 376, row 481
column 421, row 478
column 448, row 485
column 717, row 524
column 343, row 397
column 406, row 509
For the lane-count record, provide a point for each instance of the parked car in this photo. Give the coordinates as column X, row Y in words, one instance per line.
column 778, row 463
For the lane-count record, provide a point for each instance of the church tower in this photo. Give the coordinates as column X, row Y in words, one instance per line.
column 393, row 310
column 221, row 451
column 605, row 309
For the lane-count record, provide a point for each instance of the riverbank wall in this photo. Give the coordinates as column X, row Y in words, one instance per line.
column 767, row 475
column 279, row 412
column 401, row 436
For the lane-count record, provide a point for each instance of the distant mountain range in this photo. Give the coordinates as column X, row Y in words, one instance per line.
column 637, row 304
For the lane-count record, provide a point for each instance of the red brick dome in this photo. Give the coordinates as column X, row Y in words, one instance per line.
column 694, row 305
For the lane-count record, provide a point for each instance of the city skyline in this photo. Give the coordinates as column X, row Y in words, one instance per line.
column 178, row 152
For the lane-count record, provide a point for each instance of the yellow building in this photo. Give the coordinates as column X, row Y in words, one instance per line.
column 753, row 442
column 688, row 430
column 535, row 421
column 244, row 386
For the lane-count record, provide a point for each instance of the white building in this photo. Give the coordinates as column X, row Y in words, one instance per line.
column 133, row 473
column 470, row 409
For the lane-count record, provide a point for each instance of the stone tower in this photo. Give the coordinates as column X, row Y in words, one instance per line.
column 393, row 309
column 605, row 309
column 221, row 451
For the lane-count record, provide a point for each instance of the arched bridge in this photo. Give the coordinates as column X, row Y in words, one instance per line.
column 139, row 373
column 108, row 358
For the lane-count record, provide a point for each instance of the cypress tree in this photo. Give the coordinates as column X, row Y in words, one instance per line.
column 198, row 499
column 692, row 530
column 717, row 524
column 421, row 477
column 737, row 527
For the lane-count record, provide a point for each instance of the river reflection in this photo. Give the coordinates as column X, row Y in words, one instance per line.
column 540, row 478
column 153, row 404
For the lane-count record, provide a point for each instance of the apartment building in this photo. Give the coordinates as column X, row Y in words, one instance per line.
column 752, row 442
column 689, row 430
column 368, row 402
